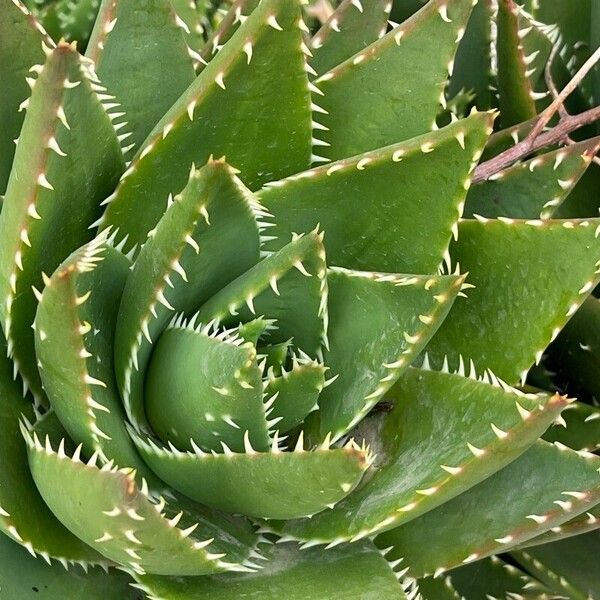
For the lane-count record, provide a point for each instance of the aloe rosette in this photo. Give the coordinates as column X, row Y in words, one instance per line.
column 263, row 336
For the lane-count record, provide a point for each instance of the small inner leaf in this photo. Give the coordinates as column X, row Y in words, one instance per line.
column 205, row 386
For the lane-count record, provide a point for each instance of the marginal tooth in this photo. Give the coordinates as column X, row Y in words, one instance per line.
column 451, row 470
column 300, row 443
column 248, row 50
column 272, row 21
column 247, row 445
column 160, row 296
column 43, row 182
column 192, row 242
column 478, row 452
column 500, row 434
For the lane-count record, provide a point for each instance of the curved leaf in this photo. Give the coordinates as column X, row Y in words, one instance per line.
column 259, row 81
column 106, row 508
column 60, row 175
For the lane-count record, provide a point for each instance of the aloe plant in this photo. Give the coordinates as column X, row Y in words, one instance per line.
column 276, row 298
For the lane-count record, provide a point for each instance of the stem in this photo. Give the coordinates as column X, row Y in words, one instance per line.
column 553, row 136
column 569, row 89
column 536, row 139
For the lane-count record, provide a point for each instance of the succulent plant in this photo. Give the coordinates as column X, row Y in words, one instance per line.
column 276, row 300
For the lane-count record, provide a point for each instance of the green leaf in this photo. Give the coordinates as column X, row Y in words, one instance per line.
column 205, row 388
column 458, row 430
column 582, row 202
column 25, row 578
column 61, row 173
column 139, row 48
column 74, row 336
column 229, row 24
column 295, row 393
column 378, row 323
column 393, row 209
column 192, row 15
column 533, row 189
column 584, row 523
column 513, row 313
column 575, row 354
column 107, row 509
column 491, row 578
column 258, row 80
column 352, row 27
column 276, row 484
column 579, row 428
column 545, row 487
column 566, row 567
column 289, row 286
column 396, row 84
column 208, row 236
column 473, row 62
column 353, row 572
column 24, row 516
column 514, row 88
column 21, row 49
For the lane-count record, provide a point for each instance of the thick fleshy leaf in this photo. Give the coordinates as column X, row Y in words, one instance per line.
column 289, row 286
column 395, row 83
column 582, row 201
column 21, row 48
column 530, row 277
column 575, row 354
column 276, row 484
column 545, row 487
column 445, row 434
column 393, row 209
column 139, row 48
column 24, row 577
column 208, row 236
column 584, row 523
column 205, row 387
column 121, row 520
column 514, row 88
column 292, row 574
column 352, row 27
column 24, row 516
column 378, row 323
column 473, row 63
column 259, row 80
column 60, row 175
column 579, row 428
column 74, row 331
column 491, row 578
column 533, row 189
column 568, row 567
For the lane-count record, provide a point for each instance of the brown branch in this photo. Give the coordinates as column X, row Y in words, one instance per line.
column 537, row 138
column 527, row 146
